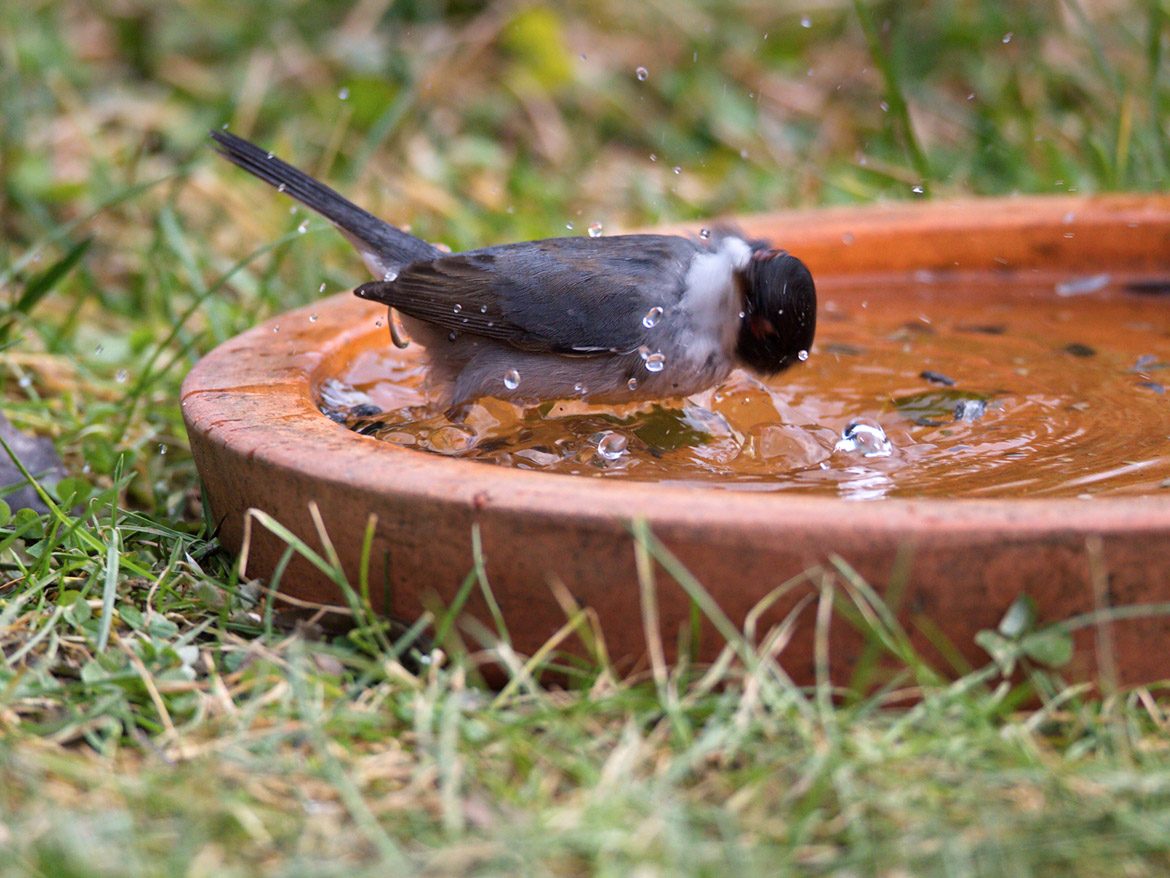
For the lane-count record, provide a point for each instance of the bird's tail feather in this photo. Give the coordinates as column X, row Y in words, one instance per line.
column 383, row 247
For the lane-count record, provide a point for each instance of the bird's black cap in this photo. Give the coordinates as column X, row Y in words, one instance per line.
column 780, row 312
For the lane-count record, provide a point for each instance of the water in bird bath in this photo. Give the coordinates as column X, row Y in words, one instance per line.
column 929, row 385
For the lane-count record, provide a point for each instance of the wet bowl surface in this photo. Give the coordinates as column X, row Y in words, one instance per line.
column 961, row 544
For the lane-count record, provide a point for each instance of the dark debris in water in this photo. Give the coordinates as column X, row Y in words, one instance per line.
column 1156, row 287
column 982, row 328
column 936, row 378
column 842, row 349
column 1080, row 350
column 937, row 408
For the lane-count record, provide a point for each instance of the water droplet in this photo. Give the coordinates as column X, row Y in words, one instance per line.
column 743, row 153
column 611, row 445
column 655, row 362
column 397, row 330
column 276, row 328
column 321, row 288
column 390, row 275
column 282, row 187
column 971, row 96
column 303, row 227
column 483, row 309
column 742, row 314
column 569, row 226
column 1007, row 38
column 806, row 22
column 162, row 448
column 457, row 308
column 847, row 239
column 595, row 230
column 677, row 169
column 705, row 234
column 653, row 157
column 642, row 73
column 644, row 352
column 652, row 317
column 343, row 94
column 885, row 107
column 25, row 381
column 802, row 356
column 98, row 350
column 866, row 438
column 452, row 335
column 312, row 318
column 632, row 384
column 378, row 323
column 511, row 379
column 917, row 190
column 271, row 155
column 121, row 376
column 578, row 388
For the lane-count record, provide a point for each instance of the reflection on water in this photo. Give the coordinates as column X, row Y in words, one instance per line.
column 978, row 386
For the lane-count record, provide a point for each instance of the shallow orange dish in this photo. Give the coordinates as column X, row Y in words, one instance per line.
column 260, row 440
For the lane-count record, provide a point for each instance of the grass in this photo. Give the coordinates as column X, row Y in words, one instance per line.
column 158, row 716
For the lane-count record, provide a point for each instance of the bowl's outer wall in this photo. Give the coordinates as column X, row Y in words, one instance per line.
column 952, row 566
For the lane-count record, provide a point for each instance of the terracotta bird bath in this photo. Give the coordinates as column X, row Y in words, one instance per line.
column 260, row 441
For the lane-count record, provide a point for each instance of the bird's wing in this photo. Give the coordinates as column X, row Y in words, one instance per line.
column 563, row 295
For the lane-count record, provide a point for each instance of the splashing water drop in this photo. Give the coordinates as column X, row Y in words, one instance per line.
column 677, row 169
column 271, row 155
column 457, row 308
column 917, row 190
column 276, row 328
column 303, row 227
column 282, row 187
column 611, row 446
column 644, row 352
column 321, row 288
column 595, row 230
column 312, row 318
column 653, row 157
column 652, row 317
column 1007, row 38
column 642, row 73
column 162, row 448
column 655, row 363
column 98, row 350
column 569, row 226
column 705, row 234
column 806, row 22
column 866, row 438
column 632, row 384
column 121, row 376
column 511, row 379
column 390, row 275
column 343, row 94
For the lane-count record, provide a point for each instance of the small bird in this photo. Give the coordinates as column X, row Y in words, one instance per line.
column 606, row 319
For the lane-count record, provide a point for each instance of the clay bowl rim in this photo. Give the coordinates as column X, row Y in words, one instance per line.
column 284, row 368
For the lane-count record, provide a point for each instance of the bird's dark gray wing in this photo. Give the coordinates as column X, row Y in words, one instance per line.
column 562, row 295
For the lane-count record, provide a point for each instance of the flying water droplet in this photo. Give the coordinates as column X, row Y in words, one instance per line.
column 511, row 379
column 885, row 107
column 611, row 445
column 98, row 350
column 595, row 230
column 321, row 288
column 644, row 352
column 653, row 157
column 343, row 94
column 121, row 376
column 806, row 22
column 282, row 187
column 642, row 73
column 655, row 362
column 652, row 317
column 457, row 308
column 802, row 356
column 705, row 234
column 632, row 384
column 390, row 275
column 276, row 328
column 25, row 381
column 1007, row 38
column 312, row 318
column 917, row 190
column 303, row 227
column 677, row 169
column 865, row 438
column 162, row 448
column 271, row 155
column 569, row 226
